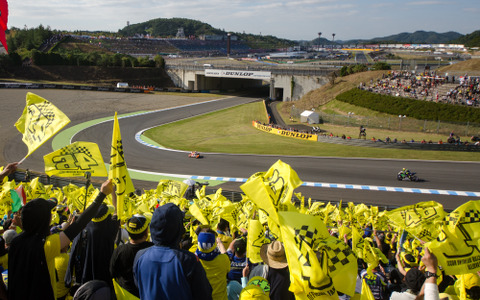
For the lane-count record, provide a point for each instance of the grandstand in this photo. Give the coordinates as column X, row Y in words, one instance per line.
column 209, row 47
column 152, row 47
column 139, row 46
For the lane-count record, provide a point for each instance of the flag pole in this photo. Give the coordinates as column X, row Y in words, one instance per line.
column 20, row 162
column 87, row 184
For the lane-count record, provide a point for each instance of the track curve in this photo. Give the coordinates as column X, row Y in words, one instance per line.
column 459, row 176
column 316, row 169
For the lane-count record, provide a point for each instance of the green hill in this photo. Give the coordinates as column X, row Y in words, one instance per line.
column 421, row 37
column 417, row 37
column 168, row 28
column 163, row 27
column 469, row 40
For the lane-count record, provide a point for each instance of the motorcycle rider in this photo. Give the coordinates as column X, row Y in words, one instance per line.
column 406, row 173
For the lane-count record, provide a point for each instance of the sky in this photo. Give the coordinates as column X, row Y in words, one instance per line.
column 293, row 20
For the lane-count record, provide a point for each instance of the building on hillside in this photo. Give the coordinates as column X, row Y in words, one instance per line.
column 309, row 117
column 180, row 33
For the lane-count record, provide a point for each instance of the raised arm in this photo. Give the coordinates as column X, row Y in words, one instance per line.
column 71, row 231
column 9, row 169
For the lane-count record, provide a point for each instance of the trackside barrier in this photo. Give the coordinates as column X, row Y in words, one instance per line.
column 287, row 133
column 234, row 196
column 8, row 85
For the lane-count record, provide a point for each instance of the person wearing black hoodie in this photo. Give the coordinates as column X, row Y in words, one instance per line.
column 31, row 260
column 164, row 271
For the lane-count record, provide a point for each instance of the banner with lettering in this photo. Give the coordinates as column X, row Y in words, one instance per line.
column 75, row 160
column 286, row 133
column 457, row 247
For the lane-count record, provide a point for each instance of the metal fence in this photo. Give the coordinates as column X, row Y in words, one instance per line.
column 234, row 196
column 400, row 123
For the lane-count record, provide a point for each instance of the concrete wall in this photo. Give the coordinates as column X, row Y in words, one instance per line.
column 196, row 80
column 281, row 88
column 183, row 79
column 301, row 85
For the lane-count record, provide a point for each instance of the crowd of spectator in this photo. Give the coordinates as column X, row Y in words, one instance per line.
column 49, row 252
column 428, row 86
column 139, row 46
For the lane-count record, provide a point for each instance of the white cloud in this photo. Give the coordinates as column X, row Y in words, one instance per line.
column 421, row 3
column 296, row 19
column 472, row 9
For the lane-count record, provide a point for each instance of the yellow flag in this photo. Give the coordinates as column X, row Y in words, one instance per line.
column 171, row 188
column 255, row 189
column 272, row 191
column 457, row 247
column 197, row 212
column 341, row 264
column 77, row 200
column 118, row 172
column 36, row 190
column 282, row 180
column 74, row 160
column 422, row 219
column 39, row 121
column 366, row 292
column 256, row 238
column 308, row 276
column 121, row 293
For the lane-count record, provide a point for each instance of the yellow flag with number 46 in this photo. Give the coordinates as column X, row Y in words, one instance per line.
column 74, row 160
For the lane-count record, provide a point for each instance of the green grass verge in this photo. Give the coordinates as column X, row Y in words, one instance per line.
column 231, row 131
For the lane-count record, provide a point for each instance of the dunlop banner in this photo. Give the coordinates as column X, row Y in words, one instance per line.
column 287, row 133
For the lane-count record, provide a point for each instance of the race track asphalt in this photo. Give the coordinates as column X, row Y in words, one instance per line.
column 456, row 176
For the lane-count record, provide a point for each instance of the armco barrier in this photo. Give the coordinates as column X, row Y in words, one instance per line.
column 287, row 133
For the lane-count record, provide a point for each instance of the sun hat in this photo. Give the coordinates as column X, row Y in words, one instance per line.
column 103, row 212
column 137, row 224
column 273, row 255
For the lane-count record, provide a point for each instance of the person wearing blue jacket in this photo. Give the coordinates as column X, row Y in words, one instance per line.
column 164, row 271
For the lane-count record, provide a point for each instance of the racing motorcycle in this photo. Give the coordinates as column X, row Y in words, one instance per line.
column 407, row 175
column 195, row 154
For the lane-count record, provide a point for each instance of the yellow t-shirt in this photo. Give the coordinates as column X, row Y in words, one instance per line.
column 52, row 249
column 217, row 270
column 61, row 264
column 226, row 240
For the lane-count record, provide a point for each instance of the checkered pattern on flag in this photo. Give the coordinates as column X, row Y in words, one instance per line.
column 341, row 264
column 423, row 220
column 74, row 160
column 457, row 247
column 39, row 121
column 308, row 276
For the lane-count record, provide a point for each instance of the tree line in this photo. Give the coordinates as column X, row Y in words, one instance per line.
column 33, row 44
